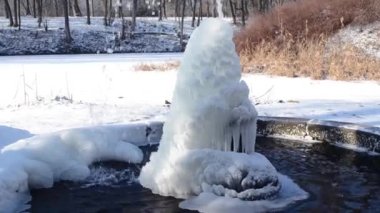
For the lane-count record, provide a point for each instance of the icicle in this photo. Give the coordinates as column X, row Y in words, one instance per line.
column 244, row 138
column 227, row 139
column 236, row 136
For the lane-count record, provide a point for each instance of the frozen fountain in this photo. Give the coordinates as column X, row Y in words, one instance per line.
column 211, row 119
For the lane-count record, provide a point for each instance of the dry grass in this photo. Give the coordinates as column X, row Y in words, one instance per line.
column 313, row 60
column 291, row 40
column 157, row 66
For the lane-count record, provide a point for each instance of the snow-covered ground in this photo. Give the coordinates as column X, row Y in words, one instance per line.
column 107, row 89
column 150, row 36
column 366, row 38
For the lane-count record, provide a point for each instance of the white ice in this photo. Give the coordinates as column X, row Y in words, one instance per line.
column 39, row 161
column 210, row 115
column 209, row 202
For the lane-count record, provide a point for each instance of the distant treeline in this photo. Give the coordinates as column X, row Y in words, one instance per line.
column 239, row 10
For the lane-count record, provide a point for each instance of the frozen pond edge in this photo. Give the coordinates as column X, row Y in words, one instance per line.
column 346, row 135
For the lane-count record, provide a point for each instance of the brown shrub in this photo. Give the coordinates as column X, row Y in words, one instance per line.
column 306, row 19
column 291, row 40
column 311, row 59
column 157, row 66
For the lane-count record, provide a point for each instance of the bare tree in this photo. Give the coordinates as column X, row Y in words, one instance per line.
column 194, row 9
column 214, row 9
column 34, row 9
column 105, row 12
column 92, row 8
column 242, row 12
column 15, row 12
column 233, row 7
column 19, row 13
column 134, row 13
column 56, row 7
column 182, row 21
column 208, row 8
column 176, row 9
column 39, row 10
column 8, row 11
column 160, row 11
column 200, row 12
column 88, row 12
column 27, row 8
column 164, row 8
column 120, row 9
column 67, row 23
column 76, row 8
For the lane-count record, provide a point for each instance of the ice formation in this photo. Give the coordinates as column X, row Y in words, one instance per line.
column 38, row 161
column 212, row 118
column 210, row 114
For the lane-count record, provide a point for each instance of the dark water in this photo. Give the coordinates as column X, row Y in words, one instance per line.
column 338, row 180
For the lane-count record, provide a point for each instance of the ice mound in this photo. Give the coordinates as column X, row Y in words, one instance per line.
column 38, row 161
column 211, row 203
column 211, row 115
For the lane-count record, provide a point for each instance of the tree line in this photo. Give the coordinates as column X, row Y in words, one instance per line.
column 238, row 10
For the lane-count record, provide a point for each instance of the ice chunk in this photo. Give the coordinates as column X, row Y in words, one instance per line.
column 209, row 202
column 188, row 173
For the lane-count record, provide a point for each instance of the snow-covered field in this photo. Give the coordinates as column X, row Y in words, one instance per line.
column 41, row 94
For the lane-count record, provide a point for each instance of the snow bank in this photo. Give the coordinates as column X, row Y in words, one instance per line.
column 9, row 135
column 38, row 161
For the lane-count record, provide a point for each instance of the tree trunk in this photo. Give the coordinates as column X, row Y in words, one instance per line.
column 15, row 24
column 215, row 10
column 120, row 9
column 176, row 8
column 208, row 8
column 39, row 9
column 160, row 11
column 19, row 13
column 5, row 10
column 110, row 12
column 27, row 9
column 67, row 23
column 233, row 11
column 134, row 14
column 182, row 21
column 194, row 9
column 200, row 13
column 164, row 8
column 105, row 12
column 242, row 12
column 88, row 12
column 92, row 8
column 9, row 12
column 246, row 8
column 56, row 6
column 34, row 9
column 77, row 11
